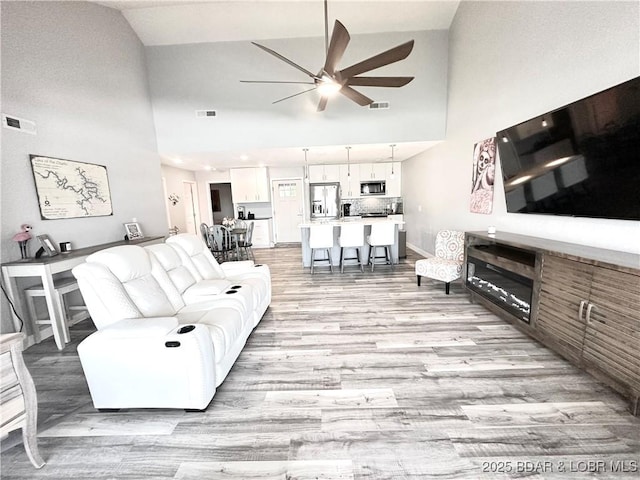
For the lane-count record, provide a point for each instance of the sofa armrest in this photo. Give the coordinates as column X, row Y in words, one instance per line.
column 232, row 267
column 163, row 369
column 149, row 328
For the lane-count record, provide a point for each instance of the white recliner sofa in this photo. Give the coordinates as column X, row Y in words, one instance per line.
column 165, row 338
column 201, row 263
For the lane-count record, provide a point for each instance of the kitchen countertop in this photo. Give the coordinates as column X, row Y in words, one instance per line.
column 340, row 221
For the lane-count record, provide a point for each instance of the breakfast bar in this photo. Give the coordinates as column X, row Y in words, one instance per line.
column 337, row 223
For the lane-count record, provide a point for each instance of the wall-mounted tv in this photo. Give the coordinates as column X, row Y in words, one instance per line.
column 581, row 160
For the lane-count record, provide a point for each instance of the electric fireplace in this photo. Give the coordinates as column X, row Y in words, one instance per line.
column 509, row 290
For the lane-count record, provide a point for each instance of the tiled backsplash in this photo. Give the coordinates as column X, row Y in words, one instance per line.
column 373, row 205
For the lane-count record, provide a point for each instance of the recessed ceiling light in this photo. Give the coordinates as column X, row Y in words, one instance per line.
column 177, row 160
column 207, row 167
column 244, row 157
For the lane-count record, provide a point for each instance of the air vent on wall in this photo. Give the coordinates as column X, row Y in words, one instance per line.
column 19, row 124
column 379, row 106
column 205, row 113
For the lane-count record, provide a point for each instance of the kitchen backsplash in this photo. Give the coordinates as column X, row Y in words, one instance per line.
column 374, row 205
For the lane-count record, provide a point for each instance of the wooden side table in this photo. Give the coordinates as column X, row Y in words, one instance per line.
column 18, row 400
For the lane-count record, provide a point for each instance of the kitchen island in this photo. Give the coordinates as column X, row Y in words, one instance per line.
column 337, row 223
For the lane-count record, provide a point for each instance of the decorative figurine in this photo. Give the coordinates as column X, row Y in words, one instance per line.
column 174, row 199
column 22, row 238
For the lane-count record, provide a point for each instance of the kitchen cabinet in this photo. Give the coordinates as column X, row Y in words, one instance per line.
column 324, row 173
column 249, row 185
column 350, row 181
column 261, row 233
column 585, row 303
column 373, row 171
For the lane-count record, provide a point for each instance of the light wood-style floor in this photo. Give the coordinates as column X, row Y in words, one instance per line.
column 349, row 376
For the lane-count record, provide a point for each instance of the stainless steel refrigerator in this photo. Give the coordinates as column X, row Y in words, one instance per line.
column 325, row 200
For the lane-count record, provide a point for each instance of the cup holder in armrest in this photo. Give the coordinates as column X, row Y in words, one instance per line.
column 186, row 329
column 236, row 287
column 229, row 292
column 258, row 265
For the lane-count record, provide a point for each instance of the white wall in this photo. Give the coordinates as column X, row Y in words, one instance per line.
column 186, row 78
column 508, row 62
column 174, row 180
column 77, row 70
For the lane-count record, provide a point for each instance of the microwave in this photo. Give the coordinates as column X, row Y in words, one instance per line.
column 378, row 187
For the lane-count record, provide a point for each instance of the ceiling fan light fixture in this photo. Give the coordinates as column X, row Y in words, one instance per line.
column 328, row 87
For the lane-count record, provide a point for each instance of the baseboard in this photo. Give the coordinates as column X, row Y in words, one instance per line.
column 419, row 250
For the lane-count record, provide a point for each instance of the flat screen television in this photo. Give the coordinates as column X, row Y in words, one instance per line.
column 580, row 160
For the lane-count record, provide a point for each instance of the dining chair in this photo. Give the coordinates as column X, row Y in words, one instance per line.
column 245, row 244
column 204, row 231
column 222, row 245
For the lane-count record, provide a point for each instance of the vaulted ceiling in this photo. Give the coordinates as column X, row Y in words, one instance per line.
column 198, row 51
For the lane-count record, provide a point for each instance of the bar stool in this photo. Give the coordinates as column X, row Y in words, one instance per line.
column 61, row 287
column 321, row 238
column 351, row 236
column 383, row 234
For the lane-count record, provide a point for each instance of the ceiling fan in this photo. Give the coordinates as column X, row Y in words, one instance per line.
column 330, row 79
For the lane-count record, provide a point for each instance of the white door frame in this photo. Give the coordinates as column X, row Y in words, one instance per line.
column 195, row 204
column 273, row 210
column 166, row 202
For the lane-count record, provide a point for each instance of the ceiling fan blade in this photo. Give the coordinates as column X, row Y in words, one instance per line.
column 294, row 95
column 356, row 96
column 392, row 55
column 379, row 81
column 276, row 81
column 339, row 41
column 285, row 59
column 322, row 104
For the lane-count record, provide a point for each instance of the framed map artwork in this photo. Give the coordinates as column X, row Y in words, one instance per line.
column 69, row 189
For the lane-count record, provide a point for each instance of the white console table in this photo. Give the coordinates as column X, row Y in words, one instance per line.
column 44, row 268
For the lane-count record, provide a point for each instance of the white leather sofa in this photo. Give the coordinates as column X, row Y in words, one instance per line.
column 165, row 339
column 201, row 263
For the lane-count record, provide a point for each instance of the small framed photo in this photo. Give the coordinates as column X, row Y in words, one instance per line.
column 47, row 245
column 133, row 231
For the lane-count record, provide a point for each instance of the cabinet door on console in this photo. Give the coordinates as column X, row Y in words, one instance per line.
column 612, row 337
column 565, row 289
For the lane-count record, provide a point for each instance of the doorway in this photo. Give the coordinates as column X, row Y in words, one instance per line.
column 191, row 218
column 221, row 202
column 288, row 208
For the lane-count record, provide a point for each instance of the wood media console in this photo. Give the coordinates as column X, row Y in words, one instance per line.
column 582, row 302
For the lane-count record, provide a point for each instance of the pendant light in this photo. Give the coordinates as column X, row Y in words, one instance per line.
column 348, row 163
column 393, row 173
column 306, row 166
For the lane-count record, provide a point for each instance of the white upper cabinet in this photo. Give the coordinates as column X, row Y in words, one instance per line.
column 324, row 173
column 373, row 171
column 350, row 181
column 249, row 185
